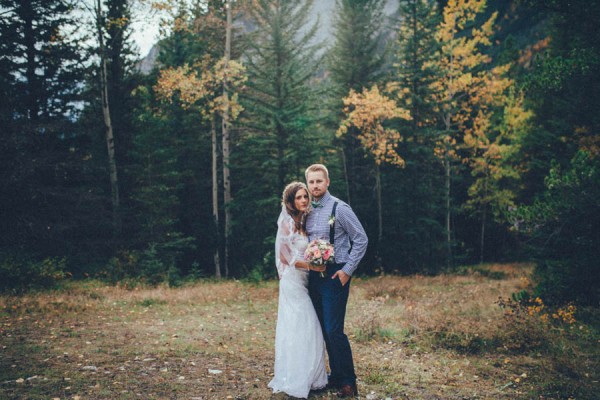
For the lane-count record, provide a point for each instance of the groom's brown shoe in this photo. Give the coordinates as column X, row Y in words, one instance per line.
column 347, row 391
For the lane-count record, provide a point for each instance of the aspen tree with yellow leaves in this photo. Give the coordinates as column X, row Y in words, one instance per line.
column 227, row 113
column 491, row 157
column 355, row 61
column 367, row 112
column 468, row 98
column 205, row 91
column 213, row 27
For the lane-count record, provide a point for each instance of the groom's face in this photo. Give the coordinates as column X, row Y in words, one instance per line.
column 317, row 184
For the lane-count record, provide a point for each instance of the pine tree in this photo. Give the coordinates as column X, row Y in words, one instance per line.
column 281, row 62
column 356, row 58
column 558, row 209
column 279, row 135
column 416, row 48
column 122, row 78
column 160, row 240
column 108, row 123
column 561, row 80
column 43, row 156
column 415, row 196
column 355, row 62
column 39, row 53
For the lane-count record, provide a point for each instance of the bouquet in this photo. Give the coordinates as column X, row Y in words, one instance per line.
column 319, row 252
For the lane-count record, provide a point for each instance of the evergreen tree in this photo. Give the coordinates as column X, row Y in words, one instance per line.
column 160, row 240
column 281, row 61
column 416, row 197
column 44, row 176
column 279, row 134
column 41, row 58
column 355, row 62
column 356, row 59
column 562, row 85
column 559, row 205
column 122, row 80
column 561, row 228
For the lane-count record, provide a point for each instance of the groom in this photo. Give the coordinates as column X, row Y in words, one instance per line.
column 334, row 220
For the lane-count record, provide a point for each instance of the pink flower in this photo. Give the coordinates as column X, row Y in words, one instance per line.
column 327, row 254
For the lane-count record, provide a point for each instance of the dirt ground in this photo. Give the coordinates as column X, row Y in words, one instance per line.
column 442, row 337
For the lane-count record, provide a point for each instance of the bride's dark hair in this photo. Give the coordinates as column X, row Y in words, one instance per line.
column 287, row 200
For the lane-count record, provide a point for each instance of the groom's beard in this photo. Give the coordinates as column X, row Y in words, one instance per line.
column 317, row 195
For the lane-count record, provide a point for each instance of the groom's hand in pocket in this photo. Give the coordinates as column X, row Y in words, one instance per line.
column 343, row 277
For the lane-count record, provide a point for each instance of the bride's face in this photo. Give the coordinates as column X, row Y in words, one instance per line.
column 301, row 200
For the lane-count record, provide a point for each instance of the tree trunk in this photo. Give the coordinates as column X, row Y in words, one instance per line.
column 281, row 147
column 226, row 174
column 379, row 216
column 33, row 88
column 215, row 195
column 345, row 162
column 110, row 142
column 379, row 204
column 448, row 213
column 483, row 217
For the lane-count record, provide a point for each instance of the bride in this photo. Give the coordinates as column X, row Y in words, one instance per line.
column 299, row 344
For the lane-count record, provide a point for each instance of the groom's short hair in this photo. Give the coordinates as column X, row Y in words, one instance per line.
column 316, row 168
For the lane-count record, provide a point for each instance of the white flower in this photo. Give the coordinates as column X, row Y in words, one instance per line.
column 331, row 220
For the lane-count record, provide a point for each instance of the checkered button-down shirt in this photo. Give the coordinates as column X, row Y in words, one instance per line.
column 347, row 229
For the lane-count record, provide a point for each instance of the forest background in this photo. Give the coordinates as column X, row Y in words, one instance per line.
column 460, row 132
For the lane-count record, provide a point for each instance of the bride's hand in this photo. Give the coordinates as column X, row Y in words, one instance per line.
column 318, row 268
column 302, row 265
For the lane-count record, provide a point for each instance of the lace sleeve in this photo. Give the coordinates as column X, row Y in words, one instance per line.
column 285, row 254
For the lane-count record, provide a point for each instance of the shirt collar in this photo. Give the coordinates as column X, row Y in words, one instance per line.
column 323, row 200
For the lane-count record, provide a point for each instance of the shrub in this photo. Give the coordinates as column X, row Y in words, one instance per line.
column 155, row 264
column 530, row 323
column 263, row 270
column 18, row 274
column 123, row 265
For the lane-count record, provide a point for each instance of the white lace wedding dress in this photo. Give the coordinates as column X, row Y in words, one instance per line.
column 299, row 345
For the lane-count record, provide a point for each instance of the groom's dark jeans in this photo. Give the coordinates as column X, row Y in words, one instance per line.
column 329, row 298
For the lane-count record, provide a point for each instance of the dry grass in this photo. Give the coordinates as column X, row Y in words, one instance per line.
column 417, row 337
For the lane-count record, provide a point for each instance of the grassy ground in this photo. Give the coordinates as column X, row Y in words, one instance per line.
column 417, row 337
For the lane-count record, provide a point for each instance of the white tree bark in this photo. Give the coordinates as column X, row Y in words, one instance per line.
column 225, row 138
column 110, row 141
column 215, row 194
